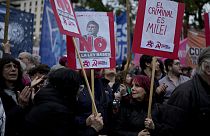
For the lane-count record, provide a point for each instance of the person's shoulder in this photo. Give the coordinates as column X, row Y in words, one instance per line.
column 163, row 79
column 185, row 78
column 182, row 95
column 186, row 86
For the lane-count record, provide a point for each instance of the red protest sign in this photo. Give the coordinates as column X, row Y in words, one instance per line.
column 158, row 28
column 207, row 28
column 65, row 17
column 97, row 46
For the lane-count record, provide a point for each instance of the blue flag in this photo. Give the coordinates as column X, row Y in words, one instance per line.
column 121, row 47
column 20, row 32
column 53, row 43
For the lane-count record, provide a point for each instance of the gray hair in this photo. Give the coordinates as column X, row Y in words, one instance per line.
column 28, row 55
column 205, row 54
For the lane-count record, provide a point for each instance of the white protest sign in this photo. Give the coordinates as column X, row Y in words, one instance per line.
column 65, row 17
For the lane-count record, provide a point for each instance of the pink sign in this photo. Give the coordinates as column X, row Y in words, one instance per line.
column 183, row 51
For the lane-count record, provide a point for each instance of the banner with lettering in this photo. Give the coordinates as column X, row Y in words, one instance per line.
column 196, row 43
column 97, row 46
column 158, row 28
column 65, row 17
column 207, row 28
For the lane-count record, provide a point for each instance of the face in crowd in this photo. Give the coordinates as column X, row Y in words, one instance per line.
column 10, row 71
column 140, row 88
column 176, row 67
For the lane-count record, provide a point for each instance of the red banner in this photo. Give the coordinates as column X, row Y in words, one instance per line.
column 207, row 28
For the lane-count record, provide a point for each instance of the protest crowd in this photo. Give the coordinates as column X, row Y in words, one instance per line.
column 39, row 100
column 157, row 97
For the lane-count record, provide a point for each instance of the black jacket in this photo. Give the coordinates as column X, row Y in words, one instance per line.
column 103, row 100
column 51, row 115
column 131, row 119
column 187, row 111
column 14, row 115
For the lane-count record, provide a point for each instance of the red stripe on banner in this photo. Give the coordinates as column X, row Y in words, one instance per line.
column 139, row 26
column 179, row 22
column 207, row 28
column 112, row 40
column 70, row 52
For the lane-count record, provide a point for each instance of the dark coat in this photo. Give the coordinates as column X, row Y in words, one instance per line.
column 131, row 119
column 51, row 115
column 103, row 100
column 14, row 115
column 187, row 111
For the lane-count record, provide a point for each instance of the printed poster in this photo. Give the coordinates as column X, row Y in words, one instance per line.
column 97, row 45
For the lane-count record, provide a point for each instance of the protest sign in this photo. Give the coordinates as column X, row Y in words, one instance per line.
column 65, row 17
column 207, row 28
column 97, row 46
column 158, row 28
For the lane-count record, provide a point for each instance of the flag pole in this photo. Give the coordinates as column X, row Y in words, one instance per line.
column 128, row 39
column 92, row 88
column 154, row 60
column 85, row 76
column 6, row 20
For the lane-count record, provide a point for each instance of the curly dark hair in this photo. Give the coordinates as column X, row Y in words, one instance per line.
column 18, row 85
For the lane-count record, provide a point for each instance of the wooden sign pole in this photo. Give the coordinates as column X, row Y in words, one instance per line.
column 6, row 20
column 128, row 40
column 154, row 60
column 92, row 88
column 85, row 76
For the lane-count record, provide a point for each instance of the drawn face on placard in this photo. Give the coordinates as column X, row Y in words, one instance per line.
column 92, row 28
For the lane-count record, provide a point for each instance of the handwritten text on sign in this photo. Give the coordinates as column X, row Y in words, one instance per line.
column 159, row 25
column 66, row 15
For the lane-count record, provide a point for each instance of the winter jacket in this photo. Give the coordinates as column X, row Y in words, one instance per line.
column 187, row 111
column 103, row 100
column 131, row 119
